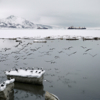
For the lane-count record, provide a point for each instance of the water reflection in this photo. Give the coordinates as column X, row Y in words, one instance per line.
column 28, row 91
column 35, row 89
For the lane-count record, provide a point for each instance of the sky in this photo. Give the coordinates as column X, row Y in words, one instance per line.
column 83, row 13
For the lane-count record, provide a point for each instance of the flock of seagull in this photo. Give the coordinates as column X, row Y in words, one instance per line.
column 23, row 51
column 39, row 70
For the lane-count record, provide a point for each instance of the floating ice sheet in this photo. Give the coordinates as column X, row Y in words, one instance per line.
column 5, row 83
column 39, row 41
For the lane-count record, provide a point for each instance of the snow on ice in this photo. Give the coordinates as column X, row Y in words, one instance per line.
column 26, row 73
column 42, row 34
column 5, row 83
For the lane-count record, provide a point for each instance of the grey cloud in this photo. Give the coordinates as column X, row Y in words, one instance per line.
column 54, row 12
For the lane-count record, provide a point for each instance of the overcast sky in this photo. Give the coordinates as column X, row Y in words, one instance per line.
column 54, row 12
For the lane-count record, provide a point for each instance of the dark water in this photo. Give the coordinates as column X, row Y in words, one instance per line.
column 72, row 68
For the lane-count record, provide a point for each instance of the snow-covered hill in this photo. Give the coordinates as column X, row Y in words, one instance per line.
column 17, row 22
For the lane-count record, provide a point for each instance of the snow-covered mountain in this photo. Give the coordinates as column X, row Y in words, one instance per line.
column 17, row 22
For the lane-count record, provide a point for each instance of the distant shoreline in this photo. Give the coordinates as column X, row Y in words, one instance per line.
column 44, row 33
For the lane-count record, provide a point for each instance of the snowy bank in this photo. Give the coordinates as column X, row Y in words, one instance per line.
column 40, row 34
column 27, row 76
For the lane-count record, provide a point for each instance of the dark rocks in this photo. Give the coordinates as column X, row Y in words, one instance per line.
column 49, row 96
column 19, row 41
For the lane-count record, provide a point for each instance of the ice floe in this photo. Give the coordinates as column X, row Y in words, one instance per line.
column 26, row 73
column 5, row 83
column 39, row 41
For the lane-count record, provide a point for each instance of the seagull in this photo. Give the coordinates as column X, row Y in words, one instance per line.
column 28, row 67
column 65, row 48
column 52, row 62
column 83, row 47
column 93, row 55
column 16, row 69
column 60, row 51
column 56, row 57
column 70, row 47
column 42, row 70
column 71, row 53
column 38, row 68
column 88, row 50
column 3, row 82
column 36, row 71
column 39, row 72
column 2, row 85
column 9, row 78
column 84, row 53
column 32, row 68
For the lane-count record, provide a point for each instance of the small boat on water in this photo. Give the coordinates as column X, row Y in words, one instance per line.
column 76, row 27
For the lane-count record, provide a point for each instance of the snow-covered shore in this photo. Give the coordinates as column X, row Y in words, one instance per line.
column 45, row 33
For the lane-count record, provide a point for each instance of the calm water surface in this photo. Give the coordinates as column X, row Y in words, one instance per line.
column 72, row 68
